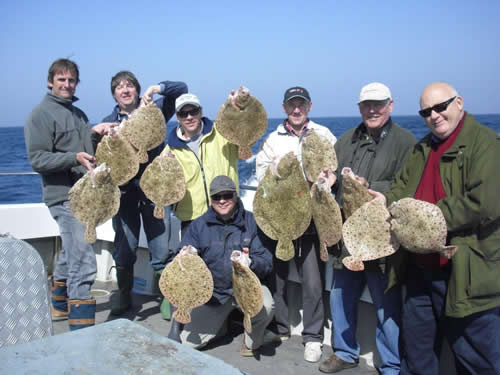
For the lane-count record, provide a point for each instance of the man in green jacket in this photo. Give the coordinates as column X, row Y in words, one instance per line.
column 455, row 167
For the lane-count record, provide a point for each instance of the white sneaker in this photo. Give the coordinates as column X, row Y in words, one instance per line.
column 312, row 352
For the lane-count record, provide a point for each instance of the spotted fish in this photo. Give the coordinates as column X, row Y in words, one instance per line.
column 186, row 282
column 420, row 227
column 354, row 195
column 282, row 204
column 94, row 199
column 247, row 289
column 163, row 182
column 242, row 120
column 367, row 235
column 317, row 153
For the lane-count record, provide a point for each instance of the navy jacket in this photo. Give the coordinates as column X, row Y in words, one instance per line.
column 216, row 240
column 170, row 91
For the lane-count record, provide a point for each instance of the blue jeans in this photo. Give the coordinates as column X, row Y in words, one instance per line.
column 346, row 290
column 474, row 339
column 127, row 226
column 76, row 262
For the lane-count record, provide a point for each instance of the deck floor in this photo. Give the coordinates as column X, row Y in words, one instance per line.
column 285, row 358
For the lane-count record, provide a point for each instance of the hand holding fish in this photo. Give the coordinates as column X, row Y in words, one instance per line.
column 148, row 95
column 87, row 160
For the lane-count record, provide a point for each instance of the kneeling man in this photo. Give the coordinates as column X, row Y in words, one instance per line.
column 226, row 227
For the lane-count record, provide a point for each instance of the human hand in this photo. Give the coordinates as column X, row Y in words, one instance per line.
column 147, row 98
column 379, row 196
column 105, row 128
column 87, row 160
column 329, row 176
column 241, row 257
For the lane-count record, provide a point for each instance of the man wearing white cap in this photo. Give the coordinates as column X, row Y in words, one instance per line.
column 375, row 150
column 203, row 153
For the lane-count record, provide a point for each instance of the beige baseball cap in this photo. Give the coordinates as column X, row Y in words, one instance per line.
column 374, row 91
column 186, row 99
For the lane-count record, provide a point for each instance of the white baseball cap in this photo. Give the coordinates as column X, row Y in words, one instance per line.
column 186, row 99
column 374, row 91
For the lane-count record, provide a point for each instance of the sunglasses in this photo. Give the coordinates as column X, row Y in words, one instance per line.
column 437, row 108
column 219, row 197
column 193, row 112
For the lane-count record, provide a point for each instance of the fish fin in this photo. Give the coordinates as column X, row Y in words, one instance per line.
column 247, row 323
column 244, row 152
column 285, row 250
column 353, row 263
column 159, row 212
column 323, row 251
column 449, row 251
column 90, row 235
column 143, row 156
column 182, row 316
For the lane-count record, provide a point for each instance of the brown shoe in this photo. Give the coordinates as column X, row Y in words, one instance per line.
column 335, row 364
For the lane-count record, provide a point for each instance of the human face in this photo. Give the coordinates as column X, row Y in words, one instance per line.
column 224, row 203
column 375, row 113
column 442, row 124
column 191, row 124
column 63, row 85
column 297, row 110
column 126, row 96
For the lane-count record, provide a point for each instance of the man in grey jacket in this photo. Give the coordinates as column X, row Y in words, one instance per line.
column 60, row 144
column 375, row 150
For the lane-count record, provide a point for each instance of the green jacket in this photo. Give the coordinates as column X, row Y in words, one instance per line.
column 470, row 176
column 216, row 156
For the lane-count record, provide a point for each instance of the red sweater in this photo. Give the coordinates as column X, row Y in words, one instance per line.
column 430, row 189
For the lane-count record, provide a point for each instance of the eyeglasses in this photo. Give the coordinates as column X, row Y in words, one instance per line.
column 290, row 105
column 219, row 197
column 377, row 105
column 436, row 108
column 193, row 112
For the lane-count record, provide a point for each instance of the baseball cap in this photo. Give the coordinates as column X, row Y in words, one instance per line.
column 221, row 183
column 296, row 92
column 186, row 99
column 374, row 91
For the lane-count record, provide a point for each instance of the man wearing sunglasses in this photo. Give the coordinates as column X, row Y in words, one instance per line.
column 134, row 205
column 456, row 168
column 226, row 227
column 306, row 267
column 203, row 153
column 375, row 151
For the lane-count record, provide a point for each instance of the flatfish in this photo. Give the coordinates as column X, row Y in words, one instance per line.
column 119, row 156
column 317, row 153
column 94, row 199
column 326, row 216
column 242, row 120
column 282, row 204
column 420, row 227
column 247, row 288
column 186, row 282
column 354, row 194
column 145, row 129
column 367, row 235
column 163, row 182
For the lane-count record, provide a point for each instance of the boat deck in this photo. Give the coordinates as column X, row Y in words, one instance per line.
column 284, row 358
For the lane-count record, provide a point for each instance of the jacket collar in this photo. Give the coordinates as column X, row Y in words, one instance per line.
column 174, row 140
column 63, row 101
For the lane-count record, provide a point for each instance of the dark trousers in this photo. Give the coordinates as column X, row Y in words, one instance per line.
column 310, row 270
column 474, row 339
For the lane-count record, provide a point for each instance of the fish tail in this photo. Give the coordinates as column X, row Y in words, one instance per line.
column 182, row 316
column 245, row 152
column 143, row 156
column 353, row 264
column 90, row 235
column 285, row 250
column 247, row 323
column 323, row 251
column 159, row 212
column 449, row 251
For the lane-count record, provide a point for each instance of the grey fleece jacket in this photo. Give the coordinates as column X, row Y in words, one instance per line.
column 55, row 132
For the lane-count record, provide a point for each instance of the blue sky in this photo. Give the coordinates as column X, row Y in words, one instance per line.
column 330, row 47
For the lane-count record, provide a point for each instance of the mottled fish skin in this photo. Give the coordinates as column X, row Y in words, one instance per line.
column 367, row 235
column 247, row 291
column 145, row 129
column 163, row 182
column 326, row 216
column 420, row 227
column 317, row 153
column 186, row 283
column 354, row 194
column 242, row 123
column 282, row 205
column 94, row 199
column 119, row 156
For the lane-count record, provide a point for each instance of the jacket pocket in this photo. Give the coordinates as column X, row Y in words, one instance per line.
column 483, row 272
